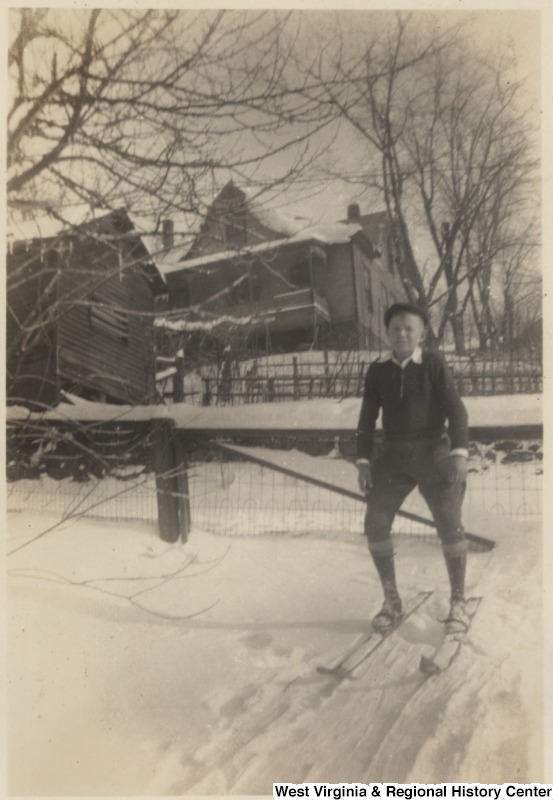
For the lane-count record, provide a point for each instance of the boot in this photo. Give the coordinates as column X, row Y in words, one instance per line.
column 457, row 620
column 389, row 615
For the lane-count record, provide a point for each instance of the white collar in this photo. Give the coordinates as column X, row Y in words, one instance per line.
column 415, row 357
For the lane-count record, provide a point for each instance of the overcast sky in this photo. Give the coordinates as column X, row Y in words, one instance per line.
column 513, row 33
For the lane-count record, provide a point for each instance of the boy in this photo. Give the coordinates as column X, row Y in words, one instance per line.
column 417, row 395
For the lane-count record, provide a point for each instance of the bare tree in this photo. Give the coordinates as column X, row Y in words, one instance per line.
column 520, row 292
column 450, row 147
column 146, row 111
column 131, row 112
column 112, row 107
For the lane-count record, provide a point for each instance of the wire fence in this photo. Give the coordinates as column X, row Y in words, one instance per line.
column 234, row 497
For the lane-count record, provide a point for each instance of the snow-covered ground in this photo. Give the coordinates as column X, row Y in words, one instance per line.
column 138, row 667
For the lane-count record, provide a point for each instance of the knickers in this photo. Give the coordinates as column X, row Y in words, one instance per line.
column 397, row 470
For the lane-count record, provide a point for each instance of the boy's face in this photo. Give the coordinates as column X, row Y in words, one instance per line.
column 405, row 332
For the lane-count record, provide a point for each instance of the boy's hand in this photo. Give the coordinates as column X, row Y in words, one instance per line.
column 457, row 469
column 364, row 477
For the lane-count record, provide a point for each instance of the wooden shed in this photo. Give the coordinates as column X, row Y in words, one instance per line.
column 80, row 314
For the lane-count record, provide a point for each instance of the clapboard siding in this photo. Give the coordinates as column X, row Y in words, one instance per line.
column 123, row 368
column 34, row 375
column 31, row 339
column 101, row 329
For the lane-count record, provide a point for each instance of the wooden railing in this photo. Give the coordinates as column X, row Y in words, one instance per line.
column 302, row 298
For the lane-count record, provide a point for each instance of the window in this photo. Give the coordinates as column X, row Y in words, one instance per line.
column 112, row 322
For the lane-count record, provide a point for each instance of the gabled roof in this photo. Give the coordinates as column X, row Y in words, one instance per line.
column 273, row 219
column 281, row 230
column 335, row 233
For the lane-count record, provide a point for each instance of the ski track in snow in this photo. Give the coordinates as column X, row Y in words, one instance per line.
column 165, row 697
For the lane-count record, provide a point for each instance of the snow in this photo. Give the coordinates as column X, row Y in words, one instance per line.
column 205, row 324
column 319, row 414
column 295, row 228
column 166, row 373
column 138, row 667
column 271, row 217
column 332, row 233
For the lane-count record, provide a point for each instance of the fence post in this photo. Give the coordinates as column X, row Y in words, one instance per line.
column 183, row 491
column 511, row 388
column 178, row 378
column 206, row 398
column 296, row 379
column 327, row 372
column 168, row 468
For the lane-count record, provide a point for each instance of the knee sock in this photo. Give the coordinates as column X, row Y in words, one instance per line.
column 383, row 557
column 456, row 562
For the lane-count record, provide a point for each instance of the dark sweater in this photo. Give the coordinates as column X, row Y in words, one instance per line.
column 416, row 401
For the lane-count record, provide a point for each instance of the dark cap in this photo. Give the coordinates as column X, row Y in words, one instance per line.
column 404, row 308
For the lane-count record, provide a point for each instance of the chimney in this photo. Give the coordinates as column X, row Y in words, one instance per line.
column 354, row 212
column 167, row 234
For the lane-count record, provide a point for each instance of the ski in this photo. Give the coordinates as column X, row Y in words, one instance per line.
column 361, row 651
column 448, row 649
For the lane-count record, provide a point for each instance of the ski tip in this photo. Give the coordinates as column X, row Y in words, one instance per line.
column 428, row 667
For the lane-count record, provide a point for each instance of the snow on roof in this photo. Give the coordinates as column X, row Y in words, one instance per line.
column 333, row 233
column 295, row 228
column 271, row 217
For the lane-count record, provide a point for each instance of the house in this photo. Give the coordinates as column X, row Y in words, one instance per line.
column 80, row 312
column 321, row 286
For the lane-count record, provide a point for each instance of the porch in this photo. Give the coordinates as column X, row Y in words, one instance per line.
column 303, row 308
